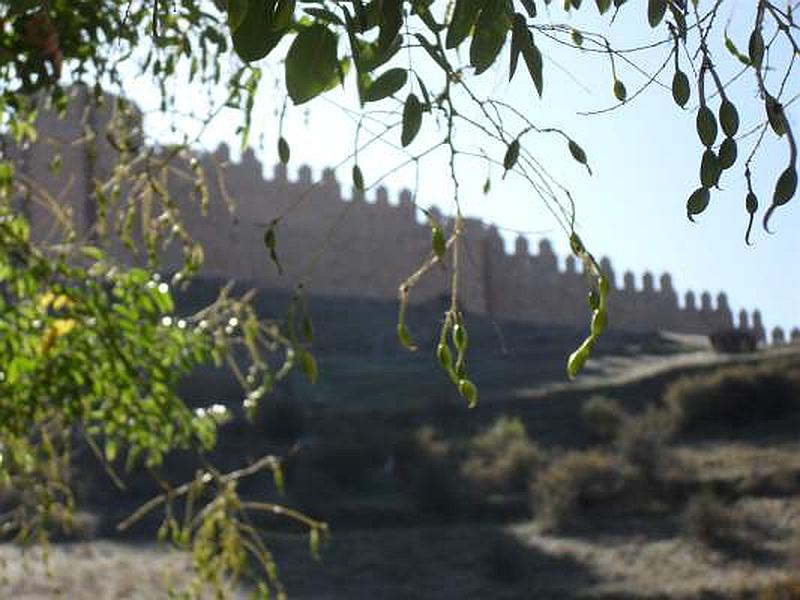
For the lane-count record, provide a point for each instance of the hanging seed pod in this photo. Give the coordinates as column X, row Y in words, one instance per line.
column 775, row 115
column 751, row 205
column 709, row 169
column 358, row 178
column 706, row 126
column 511, row 156
column 594, row 299
column 697, row 202
column 756, row 48
column 681, row 92
column 728, row 118
column 728, row 152
column 468, row 391
column 620, row 93
column 283, row 150
column 445, row 357
column 438, row 242
column 460, row 337
column 785, row 189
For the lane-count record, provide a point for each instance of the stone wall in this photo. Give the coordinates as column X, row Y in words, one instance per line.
column 344, row 244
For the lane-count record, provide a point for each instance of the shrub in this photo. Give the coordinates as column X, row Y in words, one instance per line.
column 502, row 458
column 641, row 440
column 577, row 481
column 709, row 520
column 603, row 417
column 784, row 589
column 734, row 396
column 422, row 461
column 733, row 341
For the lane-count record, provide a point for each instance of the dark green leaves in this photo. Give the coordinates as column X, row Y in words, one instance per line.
column 603, row 6
column 390, row 82
column 391, row 22
column 522, row 42
column 681, row 92
column 237, row 9
column 412, row 120
column 706, row 126
column 655, row 11
column 697, row 202
column 490, row 34
column 728, row 118
column 312, row 66
column 260, row 27
column 512, row 154
column 464, row 16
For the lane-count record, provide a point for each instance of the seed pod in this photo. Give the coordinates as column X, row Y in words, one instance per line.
column 751, row 203
column 728, row 118
column 438, row 243
column 697, row 202
column 404, row 337
column 786, row 187
column 756, row 48
column 512, row 154
column 445, row 357
column 594, row 299
column 578, row 358
column 358, row 178
column 681, row 92
column 727, row 153
column 709, row 169
column 599, row 320
column 577, row 37
column 283, row 150
column 620, row 93
column 468, row 391
column 460, row 337
column 775, row 115
column 706, row 126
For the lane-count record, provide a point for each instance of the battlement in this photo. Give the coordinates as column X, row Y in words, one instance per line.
column 370, row 242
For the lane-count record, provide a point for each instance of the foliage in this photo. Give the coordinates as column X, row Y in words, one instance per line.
column 709, row 520
column 641, row 440
column 734, row 396
column 576, row 481
column 91, row 350
column 502, row 458
column 603, row 417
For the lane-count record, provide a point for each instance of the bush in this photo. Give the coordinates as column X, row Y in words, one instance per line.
column 577, row 481
column 502, row 458
column 641, row 440
column 422, row 461
column 733, row 341
column 734, row 396
column 707, row 519
column 603, row 417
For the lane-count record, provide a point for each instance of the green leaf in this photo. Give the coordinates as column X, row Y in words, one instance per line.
column 728, row 118
column 655, row 11
column 756, row 48
column 697, row 202
column 373, row 55
column 603, row 6
column 519, row 33
column 412, row 120
column 706, row 126
column 530, row 7
column 729, row 44
column 391, row 22
column 390, row 82
column 681, row 92
column 312, row 65
column 511, row 156
column 283, row 150
column 464, row 16
column 490, row 35
column 620, row 93
column 728, row 152
column 237, row 9
column 260, row 29
column 323, row 14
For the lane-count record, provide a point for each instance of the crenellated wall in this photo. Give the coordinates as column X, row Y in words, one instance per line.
column 351, row 245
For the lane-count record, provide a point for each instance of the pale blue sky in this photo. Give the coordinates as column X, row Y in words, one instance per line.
column 645, row 158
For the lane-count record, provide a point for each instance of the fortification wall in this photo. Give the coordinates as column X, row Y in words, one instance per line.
column 343, row 244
